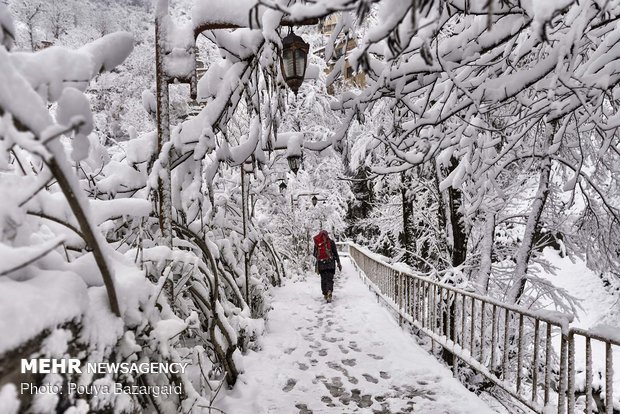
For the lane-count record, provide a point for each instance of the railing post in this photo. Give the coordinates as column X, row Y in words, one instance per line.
column 493, row 339
column 506, row 343
column 563, row 373
column 547, row 363
column 536, row 361
column 399, row 294
column 609, row 379
column 588, row 375
column 482, row 326
column 520, row 353
column 571, row 372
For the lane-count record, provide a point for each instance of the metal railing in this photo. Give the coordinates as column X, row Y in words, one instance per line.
column 516, row 349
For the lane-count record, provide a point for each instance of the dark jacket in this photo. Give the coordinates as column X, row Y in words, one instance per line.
column 328, row 265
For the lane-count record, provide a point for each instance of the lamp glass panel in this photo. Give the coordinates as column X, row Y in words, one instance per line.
column 300, row 63
column 293, row 163
column 288, row 63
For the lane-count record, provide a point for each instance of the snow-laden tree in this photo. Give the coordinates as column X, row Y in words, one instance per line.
column 82, row 274
column 485, row 125
column 484, row 92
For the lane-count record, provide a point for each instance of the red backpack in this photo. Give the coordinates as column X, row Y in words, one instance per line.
column 323, row 247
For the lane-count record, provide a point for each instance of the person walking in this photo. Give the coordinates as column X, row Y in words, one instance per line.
column 326, row 255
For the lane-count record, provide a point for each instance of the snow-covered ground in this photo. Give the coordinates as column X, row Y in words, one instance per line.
column 598, row 305
column 344, row 357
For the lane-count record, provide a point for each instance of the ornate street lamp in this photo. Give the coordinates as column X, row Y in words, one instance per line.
column 294, row 59
column 293, row 162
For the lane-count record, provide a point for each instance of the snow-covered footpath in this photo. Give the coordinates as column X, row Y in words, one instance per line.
column 344, row 357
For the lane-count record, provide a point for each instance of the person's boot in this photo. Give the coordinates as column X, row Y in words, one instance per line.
column 329, row 296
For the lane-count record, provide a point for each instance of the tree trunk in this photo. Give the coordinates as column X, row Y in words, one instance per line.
column 486, row 252
column 405, row 236
column 457, row 225
column 457, row 241
column 532, row 227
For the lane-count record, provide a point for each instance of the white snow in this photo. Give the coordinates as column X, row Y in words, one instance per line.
column 57, row 296
column 109, row 51
column 8, row 399
column 597, row 304
column 108, row 209
column 322, row 355
column 222, row 12
column 73, row 109
column 7, row 28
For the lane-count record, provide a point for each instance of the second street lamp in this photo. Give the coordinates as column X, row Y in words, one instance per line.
column 282, row 186
column 293, row 162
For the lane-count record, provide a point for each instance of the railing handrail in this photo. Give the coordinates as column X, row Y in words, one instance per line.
column 431, row 306
column 560, row 318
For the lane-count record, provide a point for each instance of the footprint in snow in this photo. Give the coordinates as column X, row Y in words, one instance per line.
column 318, row 378
column 302, row 366
column 333, row 365
column 335, row 388
column 362, row 401
column 350, row 378
column 370, row 378
column 384, row 375
column 290, row 384
column 328, row 401
column 374, row 356
column 289, row 350
column 323, row 352
column 303, row 409
column 409, row 392
column 349, row 362
column 343, row 349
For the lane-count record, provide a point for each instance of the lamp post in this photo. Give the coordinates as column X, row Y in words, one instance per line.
column 244, row 217
column 164, row 201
